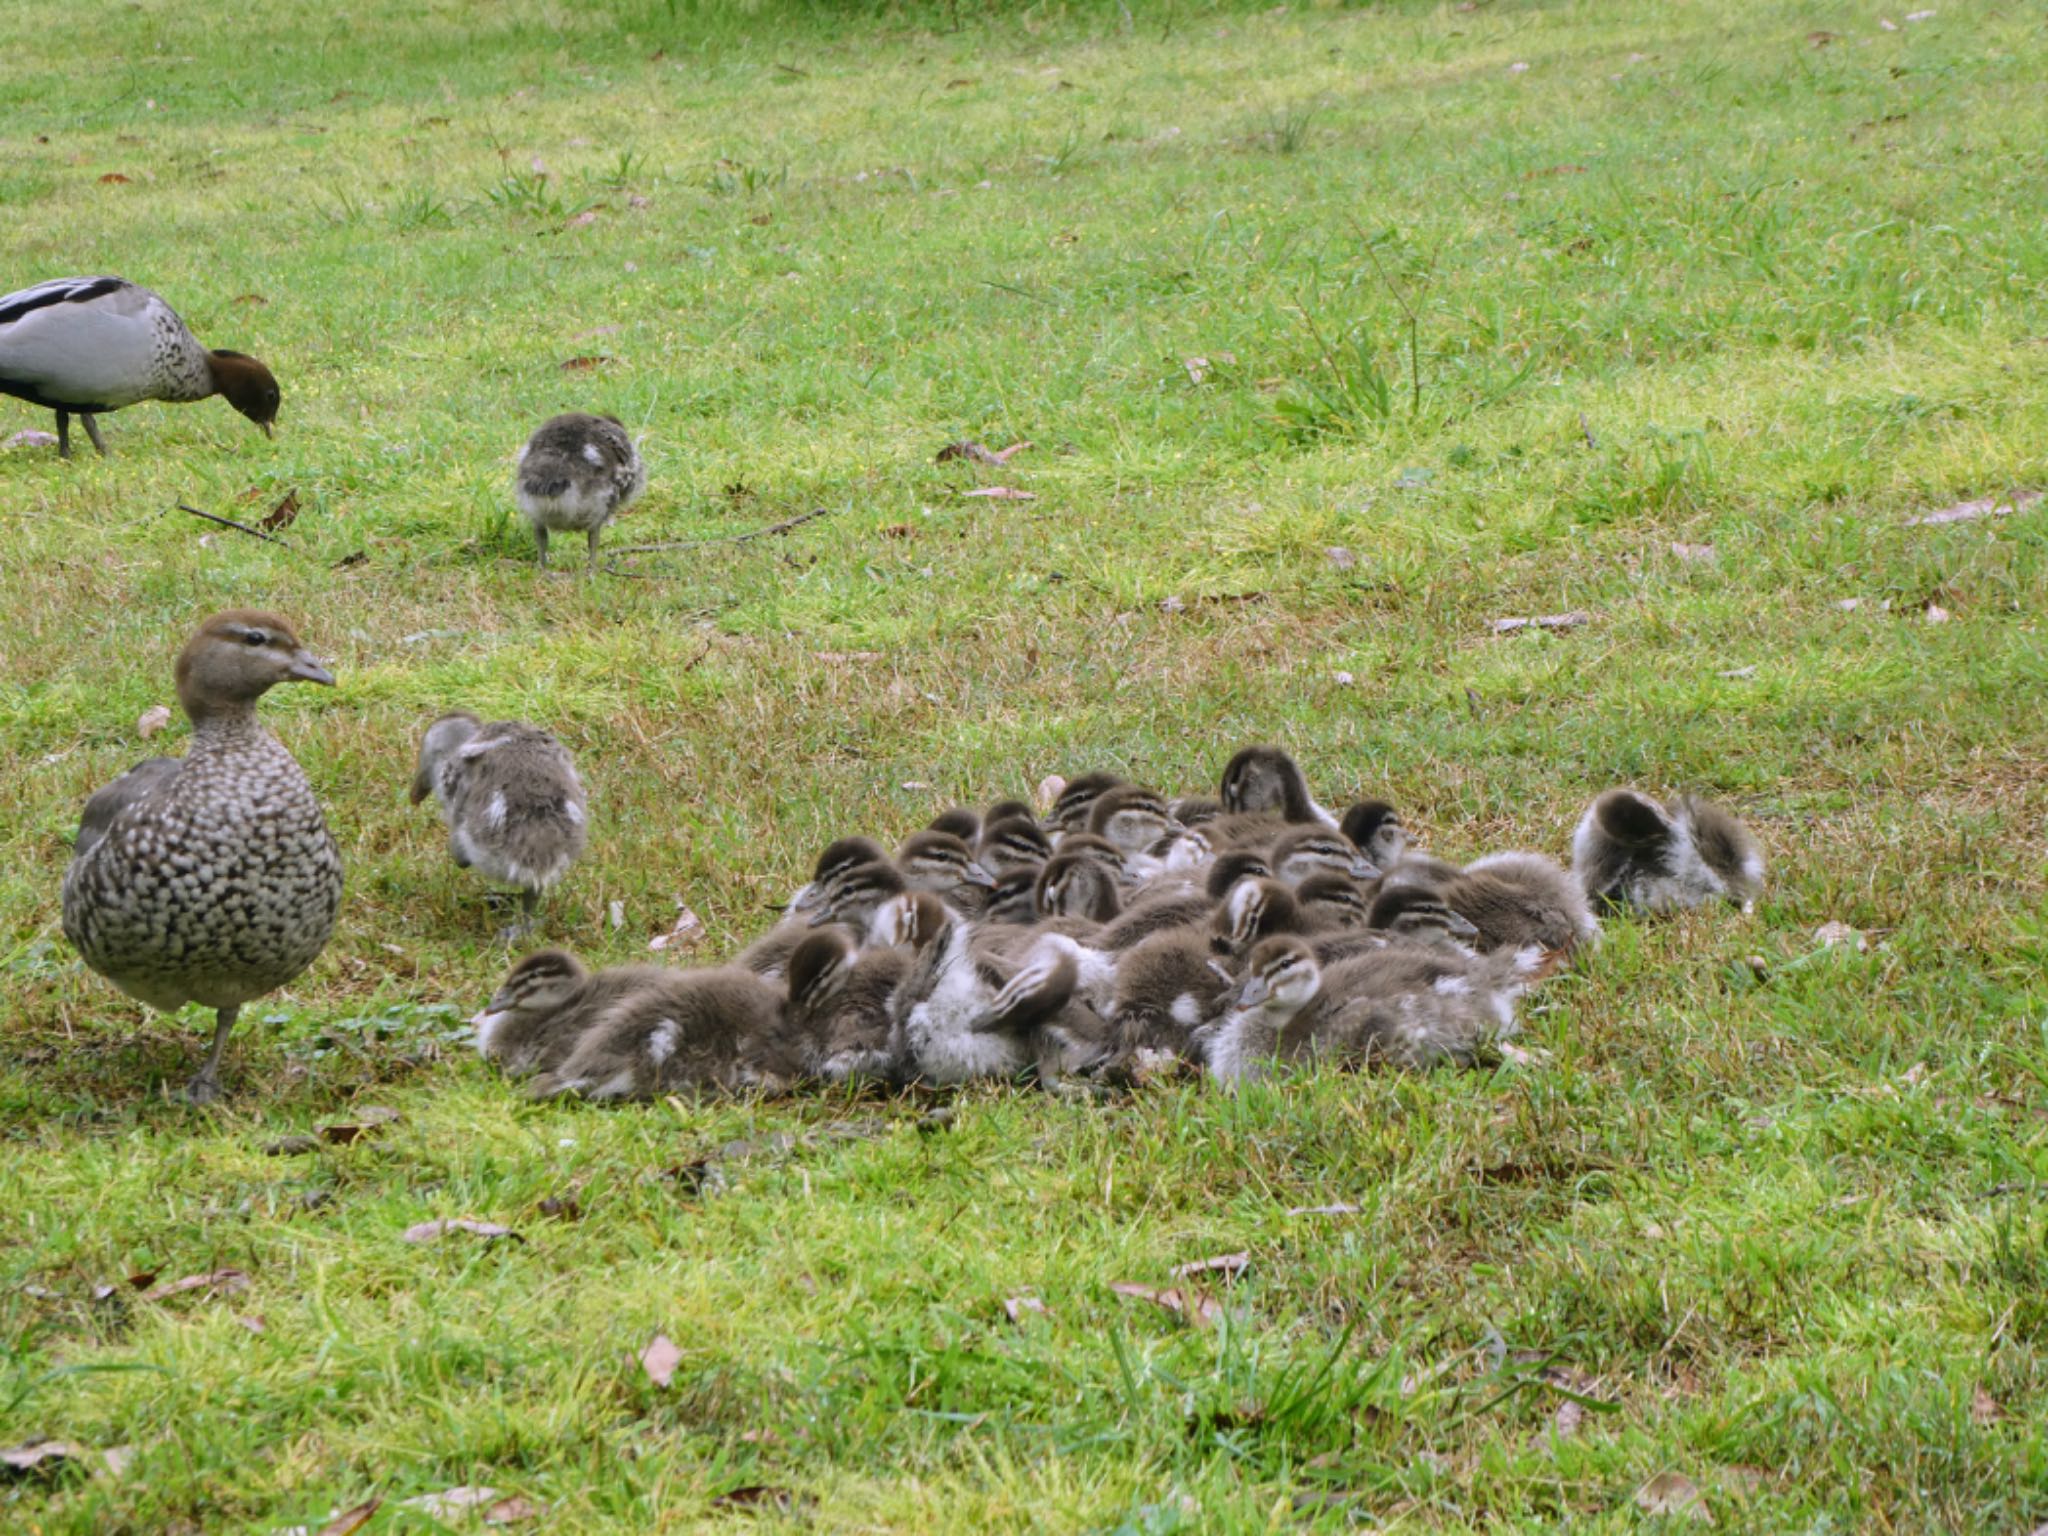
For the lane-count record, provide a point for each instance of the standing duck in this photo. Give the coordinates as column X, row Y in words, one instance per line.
column 576, row 473
column 210, row 880
column 83, row 345
column 510, row 796
column 1631, row 851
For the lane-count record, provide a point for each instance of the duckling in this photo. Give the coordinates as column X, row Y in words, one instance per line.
column 1512, row 898
column 1155, row 912
column 1130, row 818
column 1253, row 910
column 857, row 892
column 960, row 821
column 1085, row 845
column 1071, row 809
column 213, row 880
column 1077, row 884
column 509, row 794
column 839, row 856
column 87, row 345
column 839, row 1005
column 853, row 877
column 1315, row 850
column 1011, row 843
column 1375, row 830
column 1003, row 810
column 943, row 864
column 1166, row 988
column 1014, row 897
column 722, row 1029
column 1631, row 851
column 577, row 471
column 963, row 1010
column 545, row 1003
column 1234, row 865
column 1411, row 913
column 1266, row 780
column 1332, row 903
column 1193, row 811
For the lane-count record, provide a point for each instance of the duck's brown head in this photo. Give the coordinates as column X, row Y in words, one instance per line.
column 247, row 385
column 237, row 657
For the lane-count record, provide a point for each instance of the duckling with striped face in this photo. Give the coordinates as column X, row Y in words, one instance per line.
column 1281, row 978
column 1375, row 830
column 839, row 1005
column 1076, row 802
column 1013, row 899
column 944, row 865
column 1632, row 851
column 1316, row 850
column 1131, row 819
column 1012, row 843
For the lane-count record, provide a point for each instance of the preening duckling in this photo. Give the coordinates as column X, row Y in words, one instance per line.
column 1631, row 851
column 1375, row 830
column 577, row 472
column 839, row 1005
column 1078, row 884
column 509, row 794
column 715, row 1030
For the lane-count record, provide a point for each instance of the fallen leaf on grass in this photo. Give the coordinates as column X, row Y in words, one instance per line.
column 1197, row 367
column 1340, row 557
column 1228, row 1265
column 1696, row 554
column 1001, row 493
column 1972, row 511
column 222, row 1282
column 367, row 1119
column 1049, row 789
column 584, row 364
column 33, row 439
column 1188, row 1304
column 754, row 1495
column 152, row 720
column 254, row 1322
column 1016, row 1308
column 967, row 448
column 248, row 298
column 291, row 1146
column 1572, row 620
column 434, row 1231
column 450, row 1501
column 660, row 1359
column 561, row 1207
column 283, row 515
column 687, row 932
column 1828, row 935
column 41, row 1457
column 847, row 658
column 114, row 179
column 1984, row 1409
column 1673, row 1493
column 513, row 1511
column 351, row 1520
column 582, row 220
column 1822, row 39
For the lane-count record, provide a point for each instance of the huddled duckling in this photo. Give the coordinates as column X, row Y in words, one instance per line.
column 1011, row 842
column 1302, row 852
column 942, row 863
column 545, row 1004
column 575, row 474
column 1629, row 850
column 514, row 807
column 839, row 1005
column 83, row 346
column 1075, row 802
column 1513, row 899
column 1266, row 781
column 1375, row 830
column 210, row 879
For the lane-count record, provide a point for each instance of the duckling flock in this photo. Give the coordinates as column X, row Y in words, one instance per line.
column 1117, row 935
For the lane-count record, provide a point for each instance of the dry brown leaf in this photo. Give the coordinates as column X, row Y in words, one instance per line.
column 1572, row 620
column 114, row 179
column 898, row 531
column 1049, row 789
column 1830, row 934
column 561, row 1207
column 1342, row 558
column 283, row 515
column 1228, row 1265
column 222, row 1282
column 1821, row 39
column 1197, row 367
column 31, row 438
column 40, row 1457
column 248, row 298
column 434, row 1231
column 753, row 1495
column 584, row 364
column 660, row 1359
column 1984, row 1408
column 291, row 1146
column 847, row 658
column 582, row 220
column 368, row 1118
column 687, row 932
column 1673, row 1493
column 1696, row 554
column 513, row 1511
column 254, row 1322
column 1016, row 1308
column 152, row 720
column 1188, row 1303
column 351, row 1520
column 450, row 1501
column 1001, row 493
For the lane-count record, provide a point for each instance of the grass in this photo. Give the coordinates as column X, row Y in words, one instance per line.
column 1694, row 277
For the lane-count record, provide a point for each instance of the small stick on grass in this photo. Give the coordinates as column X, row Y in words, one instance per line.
column 229, row 522
column 728, row 538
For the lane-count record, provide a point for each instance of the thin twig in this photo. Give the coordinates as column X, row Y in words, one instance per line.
column 727, row 538
column 229, row 522
column 1585, row 428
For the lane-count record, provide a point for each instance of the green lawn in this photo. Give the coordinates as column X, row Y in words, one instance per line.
column 1674, row 315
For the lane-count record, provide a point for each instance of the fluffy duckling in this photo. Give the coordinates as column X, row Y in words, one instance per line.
column 839, row 1005
column 839, row 856
column 577, row 472
column 1166, row 988
column 858, row 892
column 1332, row 903
column 960, row 822
column 1075, row 803
column 1193, row 811
column 1011, row 843
column 1234, row 865
column 1375, row 830
column 86, row 345
column 1077, row 884
column 509, row 794
column 852, row 878
column 1130, row 818
column 1003, row 810
column 545, row 1003
column 1155, row 912
column 210, row 879
column 1316, row 850
column 1512, row 898
column 721, row 1029
column 1631, row 851
column 1265, row 780
column 1013, row 899
column 1253, row 910
column 943, row 864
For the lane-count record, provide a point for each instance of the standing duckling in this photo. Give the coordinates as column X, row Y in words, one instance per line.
column 577, row 472
column 213, row 879
column 510, row 796
column 84, row 345
column 1631, row 851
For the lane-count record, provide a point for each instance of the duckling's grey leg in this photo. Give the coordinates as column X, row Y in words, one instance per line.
column 205, row 1087
column 63, row 434
column 529, row 904
column 92, row 430
column 594, row 534
column 540, row 537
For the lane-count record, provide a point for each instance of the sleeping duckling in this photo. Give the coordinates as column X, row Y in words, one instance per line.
column 1631, row 851
column 547, row 1002
column 839, row 1005
column 1375, row 830
column 509, row 794
column 1332, row 903
column 1512, row 898
column 1078, row 884
column 1013, row 899
column 722, row 1029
